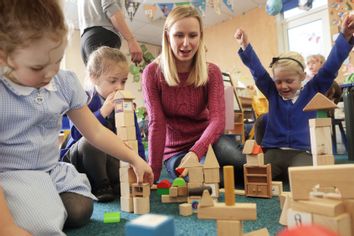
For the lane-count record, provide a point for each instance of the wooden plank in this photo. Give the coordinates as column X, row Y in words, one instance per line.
column 304, row 179
column 220, row 211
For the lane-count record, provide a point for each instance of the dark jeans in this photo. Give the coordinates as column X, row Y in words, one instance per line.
column 281, row 160
column 227, row 152
column 94, row 37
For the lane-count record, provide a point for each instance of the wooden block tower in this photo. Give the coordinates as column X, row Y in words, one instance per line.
column 257, row 176
column 320, row 130
column 134, row 198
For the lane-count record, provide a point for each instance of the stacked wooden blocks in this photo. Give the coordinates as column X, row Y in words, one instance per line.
column 134, row 198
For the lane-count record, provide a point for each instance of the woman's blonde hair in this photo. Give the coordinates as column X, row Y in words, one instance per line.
column 198, row 76
column 102, row 59
column 24, row 21
column 291, row 61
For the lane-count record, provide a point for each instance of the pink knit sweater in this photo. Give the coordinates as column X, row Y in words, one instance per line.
column 182, row 118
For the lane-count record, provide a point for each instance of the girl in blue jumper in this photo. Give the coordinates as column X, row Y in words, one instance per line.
column 286, row 139
column 107, row 70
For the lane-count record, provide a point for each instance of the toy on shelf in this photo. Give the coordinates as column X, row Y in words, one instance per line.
column 132, row 199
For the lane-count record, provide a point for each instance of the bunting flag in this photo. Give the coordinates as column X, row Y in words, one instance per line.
column 150, row 11
column 131, row 7
column 217, row 6
column 166, row 8
column 183, row 3
column 200, row 5
column 229, row 5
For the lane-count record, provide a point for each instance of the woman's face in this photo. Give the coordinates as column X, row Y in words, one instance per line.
column 184, row 38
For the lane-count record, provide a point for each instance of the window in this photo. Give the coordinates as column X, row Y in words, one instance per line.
column 307, row 32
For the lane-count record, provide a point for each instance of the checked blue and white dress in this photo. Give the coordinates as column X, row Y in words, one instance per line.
column 30, row 174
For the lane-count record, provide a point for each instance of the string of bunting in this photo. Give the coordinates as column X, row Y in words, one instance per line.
column 150, row 10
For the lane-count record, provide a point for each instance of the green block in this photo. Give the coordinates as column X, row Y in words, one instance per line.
column 179, row 182
column 111, row 217
column 321, row 114
column 163, row 191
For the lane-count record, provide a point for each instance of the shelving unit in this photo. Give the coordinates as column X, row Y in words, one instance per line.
column 258, row 180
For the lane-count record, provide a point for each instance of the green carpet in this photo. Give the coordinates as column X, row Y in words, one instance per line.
column 268, row 212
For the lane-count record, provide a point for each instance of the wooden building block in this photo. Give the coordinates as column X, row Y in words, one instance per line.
column 168, row 199
column 140, row 190
column 321, row 140
column 260, row 232
column 150, row 225
column 319, row 102
column 283, row 219
column 141, row 205
column 229, row 228
column 258, row 181
column 211, row 175
column 298, row 218
column 304, row 179
column 248, row 146
column 321, row 206
column 220, row 211
column 340, row 224
column 127, row 133
column 277, row 188
column 320, row 122
column 124, row 119
column 210, row 160
column 182, row 191
column 206, row 200
column 195, row 175
column 282, row 198
column 173, row 192
column 125, row 189
column 126, row 204
column 214, row 189
column 349, row 208
column 194, row 185
column 319, row 160
column 255, row 160
column 127, row 175
column 229, row 185
column 185, row 209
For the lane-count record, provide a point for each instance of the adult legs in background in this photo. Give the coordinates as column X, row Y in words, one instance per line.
column 95, row 37
column 281, row 160
column 95, row 164
column 228, row 152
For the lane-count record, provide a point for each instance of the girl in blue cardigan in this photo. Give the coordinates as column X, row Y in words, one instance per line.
column 107, row 70
column 286, row 139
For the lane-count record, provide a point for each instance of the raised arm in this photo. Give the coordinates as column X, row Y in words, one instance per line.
column 241, row 38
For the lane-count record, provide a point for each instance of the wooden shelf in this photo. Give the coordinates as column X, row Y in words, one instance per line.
column 258, row 181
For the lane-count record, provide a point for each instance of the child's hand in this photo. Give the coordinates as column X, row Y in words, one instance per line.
column 13, row 230
column 241, row 38
column 108, row 105
column 142, row 171
column 348, row 27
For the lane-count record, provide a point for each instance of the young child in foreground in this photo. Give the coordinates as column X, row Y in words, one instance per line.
column 107, row 72
column 287, row 140
column 39, row 194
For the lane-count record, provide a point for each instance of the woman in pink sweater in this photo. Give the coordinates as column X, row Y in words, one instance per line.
column 184, row 97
